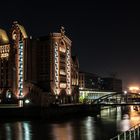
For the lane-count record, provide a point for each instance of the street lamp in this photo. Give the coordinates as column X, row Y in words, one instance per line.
column 125, row 92
column 27, row 101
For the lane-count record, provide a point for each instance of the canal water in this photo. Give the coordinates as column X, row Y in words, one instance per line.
column 103, row 127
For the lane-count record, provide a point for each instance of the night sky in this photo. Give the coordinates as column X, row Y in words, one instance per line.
column 105, row 36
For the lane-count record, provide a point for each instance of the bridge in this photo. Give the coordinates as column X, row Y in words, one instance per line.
column 119, row 98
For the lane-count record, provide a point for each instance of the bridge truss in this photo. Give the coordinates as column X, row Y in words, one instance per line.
column 119, row 98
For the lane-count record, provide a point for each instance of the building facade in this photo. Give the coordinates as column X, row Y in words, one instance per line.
column 61, row 82
column 54, row 66
column 89, row 80
column 38, row 66
column 111, row 84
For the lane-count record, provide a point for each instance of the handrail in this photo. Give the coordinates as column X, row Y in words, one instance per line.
column 132, row 133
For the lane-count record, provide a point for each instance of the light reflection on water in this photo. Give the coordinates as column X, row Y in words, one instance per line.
column 128, row 120
column 15, row 130
column 63, row 132
column 74, row 130
column 102, row 127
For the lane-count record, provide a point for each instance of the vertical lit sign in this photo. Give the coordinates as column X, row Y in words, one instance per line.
column 68, row 72
column 56, row 68
column 20, row 69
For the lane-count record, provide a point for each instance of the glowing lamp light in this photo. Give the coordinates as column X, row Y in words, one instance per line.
column 125, row 92
column 134, row 89
column 27, row 101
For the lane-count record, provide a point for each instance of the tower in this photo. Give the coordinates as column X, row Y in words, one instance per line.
column 18, row 55
column 61, row 65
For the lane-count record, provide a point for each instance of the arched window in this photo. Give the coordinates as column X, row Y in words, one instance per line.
column 62, row 47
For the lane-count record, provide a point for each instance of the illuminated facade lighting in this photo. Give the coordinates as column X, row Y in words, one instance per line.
column 20, row 69
column 46, row 62
column 68, row 71
column 56, row 68
column 19, row 35
column 62, row 67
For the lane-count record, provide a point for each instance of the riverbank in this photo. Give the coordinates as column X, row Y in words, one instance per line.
column 51, row 112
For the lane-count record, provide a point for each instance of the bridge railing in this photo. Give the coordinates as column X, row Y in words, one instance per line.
column 132, row 134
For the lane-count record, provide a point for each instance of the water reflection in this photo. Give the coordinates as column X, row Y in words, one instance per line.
column 111, row 122
column 75, row 130
column 8, row 131
column 62, row 132
column 128, row 119
column 89, row 129
column 15, row 130
column 124, row 124
column 134, row 116
column 120, row 118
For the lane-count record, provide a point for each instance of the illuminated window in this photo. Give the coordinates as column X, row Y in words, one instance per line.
column 62, row 47
column 62, row 72
column 62, row 85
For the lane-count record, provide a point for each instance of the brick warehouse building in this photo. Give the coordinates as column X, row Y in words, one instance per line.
column 41, row 69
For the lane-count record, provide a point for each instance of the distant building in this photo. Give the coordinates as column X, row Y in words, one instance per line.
column 92, row 86
column 75, row 78
column 89, row 80
column 38, row 68
column 111, row 84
